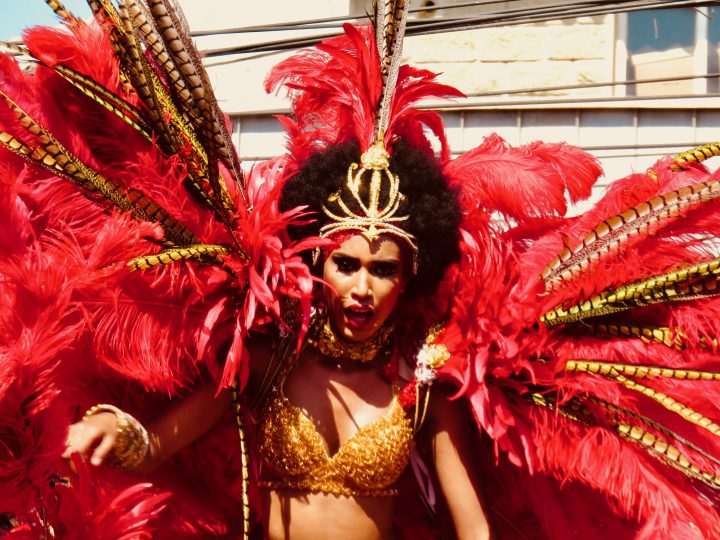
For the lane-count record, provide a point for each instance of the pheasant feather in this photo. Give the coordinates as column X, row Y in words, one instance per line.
column 610, row 235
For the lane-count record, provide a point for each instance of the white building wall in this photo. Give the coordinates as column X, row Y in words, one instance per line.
column 551, row 81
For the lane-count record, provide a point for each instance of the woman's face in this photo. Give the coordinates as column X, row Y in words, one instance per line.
column 367, row 277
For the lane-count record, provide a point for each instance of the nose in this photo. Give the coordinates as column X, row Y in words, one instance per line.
column 361, row 285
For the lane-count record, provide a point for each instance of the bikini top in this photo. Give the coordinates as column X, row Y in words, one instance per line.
column 366, row 465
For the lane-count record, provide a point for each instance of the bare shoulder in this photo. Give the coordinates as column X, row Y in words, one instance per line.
column 446, row 411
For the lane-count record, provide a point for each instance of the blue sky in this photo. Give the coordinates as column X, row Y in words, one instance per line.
column 18, row 14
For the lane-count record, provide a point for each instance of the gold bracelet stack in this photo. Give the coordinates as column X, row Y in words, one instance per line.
column 132, row 441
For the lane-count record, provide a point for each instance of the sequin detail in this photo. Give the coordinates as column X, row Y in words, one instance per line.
column 370, row 461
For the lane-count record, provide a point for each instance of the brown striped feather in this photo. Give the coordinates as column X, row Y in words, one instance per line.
column 148, row 33
column 200, row 252
column 106, row 11
column 40, row 158
column 51, row 155
column 611, row 234
column 173, row 28
column 697, row 281
column 15, row 48
column 61, row 11
column 139, row 72
column 111, row 102
column 179, row 46
column 634, row 428
column 390, row 20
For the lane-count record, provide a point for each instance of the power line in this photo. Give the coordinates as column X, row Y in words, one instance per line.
column 335, row 22
column 535, row 14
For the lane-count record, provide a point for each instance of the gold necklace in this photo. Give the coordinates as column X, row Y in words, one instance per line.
column 333, row 346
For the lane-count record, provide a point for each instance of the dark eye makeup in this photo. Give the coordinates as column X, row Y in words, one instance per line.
column 348, row 265
column 384, row 269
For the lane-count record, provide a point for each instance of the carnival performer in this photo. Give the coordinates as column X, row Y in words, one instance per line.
column 351, row 304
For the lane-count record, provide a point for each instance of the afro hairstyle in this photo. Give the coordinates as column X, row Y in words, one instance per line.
column 432, row 207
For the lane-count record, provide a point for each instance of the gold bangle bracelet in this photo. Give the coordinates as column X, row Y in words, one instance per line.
column 132, row 441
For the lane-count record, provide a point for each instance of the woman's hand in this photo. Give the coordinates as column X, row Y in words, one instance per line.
column 96, row 433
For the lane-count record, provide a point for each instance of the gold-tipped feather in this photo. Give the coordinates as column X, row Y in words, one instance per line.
column 697, row 281
column 634, row 428
column 611, row 234
column 698, row 154
column 647, row 333
column 666, row 452
column 671, row 404
column 200, row 252
column 390, row 22
column 622, row 374
column 51, row 155
column 244, row 461
column 597, row 367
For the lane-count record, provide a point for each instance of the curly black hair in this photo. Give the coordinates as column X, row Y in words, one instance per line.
column 431, row 204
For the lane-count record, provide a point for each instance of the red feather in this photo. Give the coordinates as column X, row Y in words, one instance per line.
column 525, row 182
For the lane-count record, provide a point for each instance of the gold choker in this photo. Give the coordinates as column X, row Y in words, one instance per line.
column 333, row 346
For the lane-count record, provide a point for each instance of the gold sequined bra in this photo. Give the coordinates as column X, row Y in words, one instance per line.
column 366, row 465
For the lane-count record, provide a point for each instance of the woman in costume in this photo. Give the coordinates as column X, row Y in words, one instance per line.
column 590, row 374
column 336, row 421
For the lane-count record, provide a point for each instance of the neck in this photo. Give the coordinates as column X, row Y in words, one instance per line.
column 347, row 353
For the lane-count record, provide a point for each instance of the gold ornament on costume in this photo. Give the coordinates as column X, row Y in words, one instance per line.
column 333, row 346
column 431, row 356
column 374, row 219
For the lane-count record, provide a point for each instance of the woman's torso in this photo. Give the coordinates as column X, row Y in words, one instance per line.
column 355, row 435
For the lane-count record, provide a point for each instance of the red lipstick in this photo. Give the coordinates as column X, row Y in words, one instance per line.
column 358, row 316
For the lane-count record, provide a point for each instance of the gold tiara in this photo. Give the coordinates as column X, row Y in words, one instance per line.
column 373, row 220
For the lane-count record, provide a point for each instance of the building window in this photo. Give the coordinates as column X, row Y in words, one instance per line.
column 713, row 22
column 669, row 44
column 660, row 30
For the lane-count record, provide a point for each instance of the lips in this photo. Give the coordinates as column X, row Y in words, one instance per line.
column 358, row 316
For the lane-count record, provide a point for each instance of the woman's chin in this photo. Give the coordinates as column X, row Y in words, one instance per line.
column 358, row 334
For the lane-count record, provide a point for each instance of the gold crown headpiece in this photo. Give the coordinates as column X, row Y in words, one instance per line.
column 367, row 179
column 373, row 219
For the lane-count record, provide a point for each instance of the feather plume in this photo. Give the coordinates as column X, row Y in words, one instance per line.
column 643, row 219
column 90, row 510
column 278, row 270
column 390, row 21
column 525, row 182
column 336, row 87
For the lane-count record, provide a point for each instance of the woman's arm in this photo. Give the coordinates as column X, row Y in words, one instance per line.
column 186, row 420
column 452, row 428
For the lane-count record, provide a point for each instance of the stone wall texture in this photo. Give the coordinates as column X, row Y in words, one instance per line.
column 535, row 58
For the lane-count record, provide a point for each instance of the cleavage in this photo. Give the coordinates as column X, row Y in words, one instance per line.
column 336, row 411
